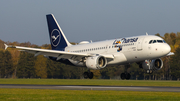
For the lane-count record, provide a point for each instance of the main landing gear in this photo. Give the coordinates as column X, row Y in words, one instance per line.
column 88, row 75
column 149, row 71
column 126, row 75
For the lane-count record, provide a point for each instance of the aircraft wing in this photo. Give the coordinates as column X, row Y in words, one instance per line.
column 56, row 53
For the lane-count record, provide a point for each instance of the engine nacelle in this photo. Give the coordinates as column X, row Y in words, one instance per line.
column 96, row 62
column 155, row 64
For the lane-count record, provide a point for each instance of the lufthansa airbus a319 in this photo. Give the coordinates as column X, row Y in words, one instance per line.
column 146, row 50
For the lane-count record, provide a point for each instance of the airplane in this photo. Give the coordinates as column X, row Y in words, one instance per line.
column 145, row 50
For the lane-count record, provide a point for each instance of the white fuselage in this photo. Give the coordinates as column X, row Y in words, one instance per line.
column 124, row 50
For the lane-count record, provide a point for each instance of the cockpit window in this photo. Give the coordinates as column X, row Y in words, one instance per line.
column 150, row 41
column 164, row 41
column 160, row 41
column 154, row 41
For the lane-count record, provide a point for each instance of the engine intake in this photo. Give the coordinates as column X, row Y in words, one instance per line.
column 96, row 62
column 155, row 64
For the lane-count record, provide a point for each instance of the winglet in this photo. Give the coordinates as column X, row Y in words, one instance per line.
column 146, row 33
column 6, row 46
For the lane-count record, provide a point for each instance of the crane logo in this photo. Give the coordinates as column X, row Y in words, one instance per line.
column 55, row 37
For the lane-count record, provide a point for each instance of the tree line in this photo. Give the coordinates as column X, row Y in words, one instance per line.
column 20, row 64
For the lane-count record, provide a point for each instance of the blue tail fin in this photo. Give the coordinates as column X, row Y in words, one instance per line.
column 57, row 38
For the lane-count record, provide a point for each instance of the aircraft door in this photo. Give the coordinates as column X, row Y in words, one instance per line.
column 139, row 44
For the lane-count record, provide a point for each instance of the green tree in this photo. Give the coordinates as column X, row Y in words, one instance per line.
column 158, row 35
column 8, row 64
column 26, row 65
column 96, row 74
column 2, row 44
column 40, row 67
column 15, row 58
column 175, row 64
column 173, row 38
column 168, row 39
column 2, row 73
column 136, row 72
column 54, row 69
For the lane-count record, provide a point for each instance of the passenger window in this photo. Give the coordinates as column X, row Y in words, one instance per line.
column 154, row 41
column 150, row 41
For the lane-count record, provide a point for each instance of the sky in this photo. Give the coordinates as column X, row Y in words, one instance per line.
column 85, row 20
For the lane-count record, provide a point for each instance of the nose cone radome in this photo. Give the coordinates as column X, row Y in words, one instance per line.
column 166, row 49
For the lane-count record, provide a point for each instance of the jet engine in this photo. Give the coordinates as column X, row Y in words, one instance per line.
column 155, row 64
column 96, row 62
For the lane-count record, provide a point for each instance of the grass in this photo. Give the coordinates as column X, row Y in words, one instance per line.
column 91, row 82
column 7, row 94
column 84, row 95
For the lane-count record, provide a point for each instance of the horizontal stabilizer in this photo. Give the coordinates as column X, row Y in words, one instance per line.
column 171, row 53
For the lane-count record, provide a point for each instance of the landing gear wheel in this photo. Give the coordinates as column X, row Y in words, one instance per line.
column 123, row 76
column 126, row 76
column 85, row 75
column 88, row 75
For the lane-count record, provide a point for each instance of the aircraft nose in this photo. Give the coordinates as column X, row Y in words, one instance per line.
column 166, row 49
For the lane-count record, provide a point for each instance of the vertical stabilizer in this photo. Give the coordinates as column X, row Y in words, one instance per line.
column 57, row 38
